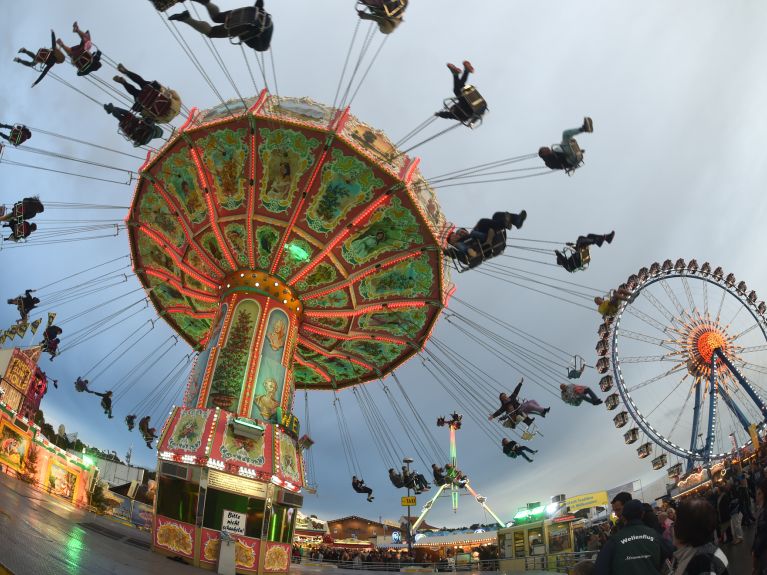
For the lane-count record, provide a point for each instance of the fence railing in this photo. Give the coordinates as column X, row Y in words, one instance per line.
column 434, row 566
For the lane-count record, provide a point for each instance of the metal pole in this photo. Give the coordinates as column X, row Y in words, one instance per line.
column 407, row 461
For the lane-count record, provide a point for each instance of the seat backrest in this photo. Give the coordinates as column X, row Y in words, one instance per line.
column 474, row 99
column 394, row 7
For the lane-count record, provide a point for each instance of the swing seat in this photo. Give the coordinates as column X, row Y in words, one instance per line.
column 388, row 8
column 247, row 24
column 16, row 137
column 469, row 108
column 87, row 62
column 159, row 105
column 584, row 255
column 163, row 5
column 575, row 152
column 137, row 130
column 463, row 262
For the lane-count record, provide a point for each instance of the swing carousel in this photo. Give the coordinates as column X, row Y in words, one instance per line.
column 277, row 239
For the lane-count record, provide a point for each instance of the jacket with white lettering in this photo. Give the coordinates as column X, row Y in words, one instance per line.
column 634, row 550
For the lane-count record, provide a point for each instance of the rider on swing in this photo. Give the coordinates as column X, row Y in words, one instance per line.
column 149, row 97
column 485, row 240
column 359, row 486
column 46, row 58
column 140, row 131
column 468, row 105
column 18, row 134
column 580, row 254
column 106, row 402
column 148, row 433
column 81, row 56
column 130, row 421
column 566, row 155
column 512, row 449
column 25, row 303
column 388, row 14
column 252, row 25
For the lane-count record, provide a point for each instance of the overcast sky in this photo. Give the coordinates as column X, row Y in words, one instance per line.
column 675, row 166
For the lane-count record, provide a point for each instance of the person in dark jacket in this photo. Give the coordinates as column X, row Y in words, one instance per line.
column 634, row 550
column 723, row 510
column 396, row 478
column 696, row 553
column 759, row 547
column 359, row 486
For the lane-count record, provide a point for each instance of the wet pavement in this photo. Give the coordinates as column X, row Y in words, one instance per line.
column 44, row 535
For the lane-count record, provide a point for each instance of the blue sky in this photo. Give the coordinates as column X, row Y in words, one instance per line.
column 675, row 166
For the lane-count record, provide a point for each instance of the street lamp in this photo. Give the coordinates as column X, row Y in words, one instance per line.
column 407, row 461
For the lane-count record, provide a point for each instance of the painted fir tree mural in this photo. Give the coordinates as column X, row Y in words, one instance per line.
column 232, row 363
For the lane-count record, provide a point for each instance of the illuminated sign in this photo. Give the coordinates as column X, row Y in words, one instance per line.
column 235, row 484
column 587, row 501
column 396, row 537
column 291, row 424
column 408, row 501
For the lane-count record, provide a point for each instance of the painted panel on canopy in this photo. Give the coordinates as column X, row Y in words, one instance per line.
column 305, row 353
column 193, row 260
column 265, row 245
column 225, row 154
column 231, row 368
column 304, row 375
column 378, row 353
column 197, row 374
column 254, row 453
column 390, row 229
column 334, row 323
column 340, row 369
column 178, row 177
column 400, row 322
column 195, row 328
column 425, row 195
column 410, row 278
column 345, row 184
column 323, row 341
column 153, row 256
column 287, row 156
column 323, row 274
column 209, row 244
column 373, row 143
column 155, row 213
column 270, row 376
column 335, row 299
column 297, row 253
column 165, row 293
column 237, row 238
column 302, row 110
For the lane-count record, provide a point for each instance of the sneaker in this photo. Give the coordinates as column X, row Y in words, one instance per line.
column 545, row 411
column 118, row 79
column 561, row 260
column 472, row 252
column 180, row 16
column 468, row 67
column 609, row 237
column 109, row 108
column 17, row 60
column 588, row 125
column 599, row 402
column 121, row 69
column 522, row 218
column 453, row 68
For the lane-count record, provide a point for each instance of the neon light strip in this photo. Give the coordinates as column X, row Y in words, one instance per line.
column 351, row 281
column 186, row 228
column 162, row 242
column 251, row 197
column 192, row 116
column 313, row 367
column 212, row 214
column 186, row 310
column 340, row 237
column 255, row 108
column 320, row 163
column 347, row 337
column 410, row 171
column 307, row 344
column 366, row 309
column 177, row 285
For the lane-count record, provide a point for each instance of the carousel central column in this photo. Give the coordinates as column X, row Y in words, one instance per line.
column 247, row 358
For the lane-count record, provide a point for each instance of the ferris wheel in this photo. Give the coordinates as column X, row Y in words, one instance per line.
column 687, row 356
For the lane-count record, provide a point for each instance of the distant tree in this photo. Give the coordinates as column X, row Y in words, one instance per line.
column 30, row 465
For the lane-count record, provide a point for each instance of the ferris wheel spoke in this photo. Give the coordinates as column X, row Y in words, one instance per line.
column 748, row 330
column 672, row 296
column 673, row 389
column 649, row 358
column 647, row 382
column 681, row 412
column 740, row 309
column 750, row 349
column 646, row 338
column 705, row 299
column 647, row 319
column 721, row 303
column 690, row 298
column 659, row 306
column 750, row 366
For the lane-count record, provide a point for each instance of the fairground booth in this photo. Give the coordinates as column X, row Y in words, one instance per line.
column 24, row 451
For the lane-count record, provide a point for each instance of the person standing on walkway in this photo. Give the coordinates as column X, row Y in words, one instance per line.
column 696, row 553
column 759, row 547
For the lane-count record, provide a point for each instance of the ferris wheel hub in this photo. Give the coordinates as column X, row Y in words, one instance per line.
column 702, row 339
